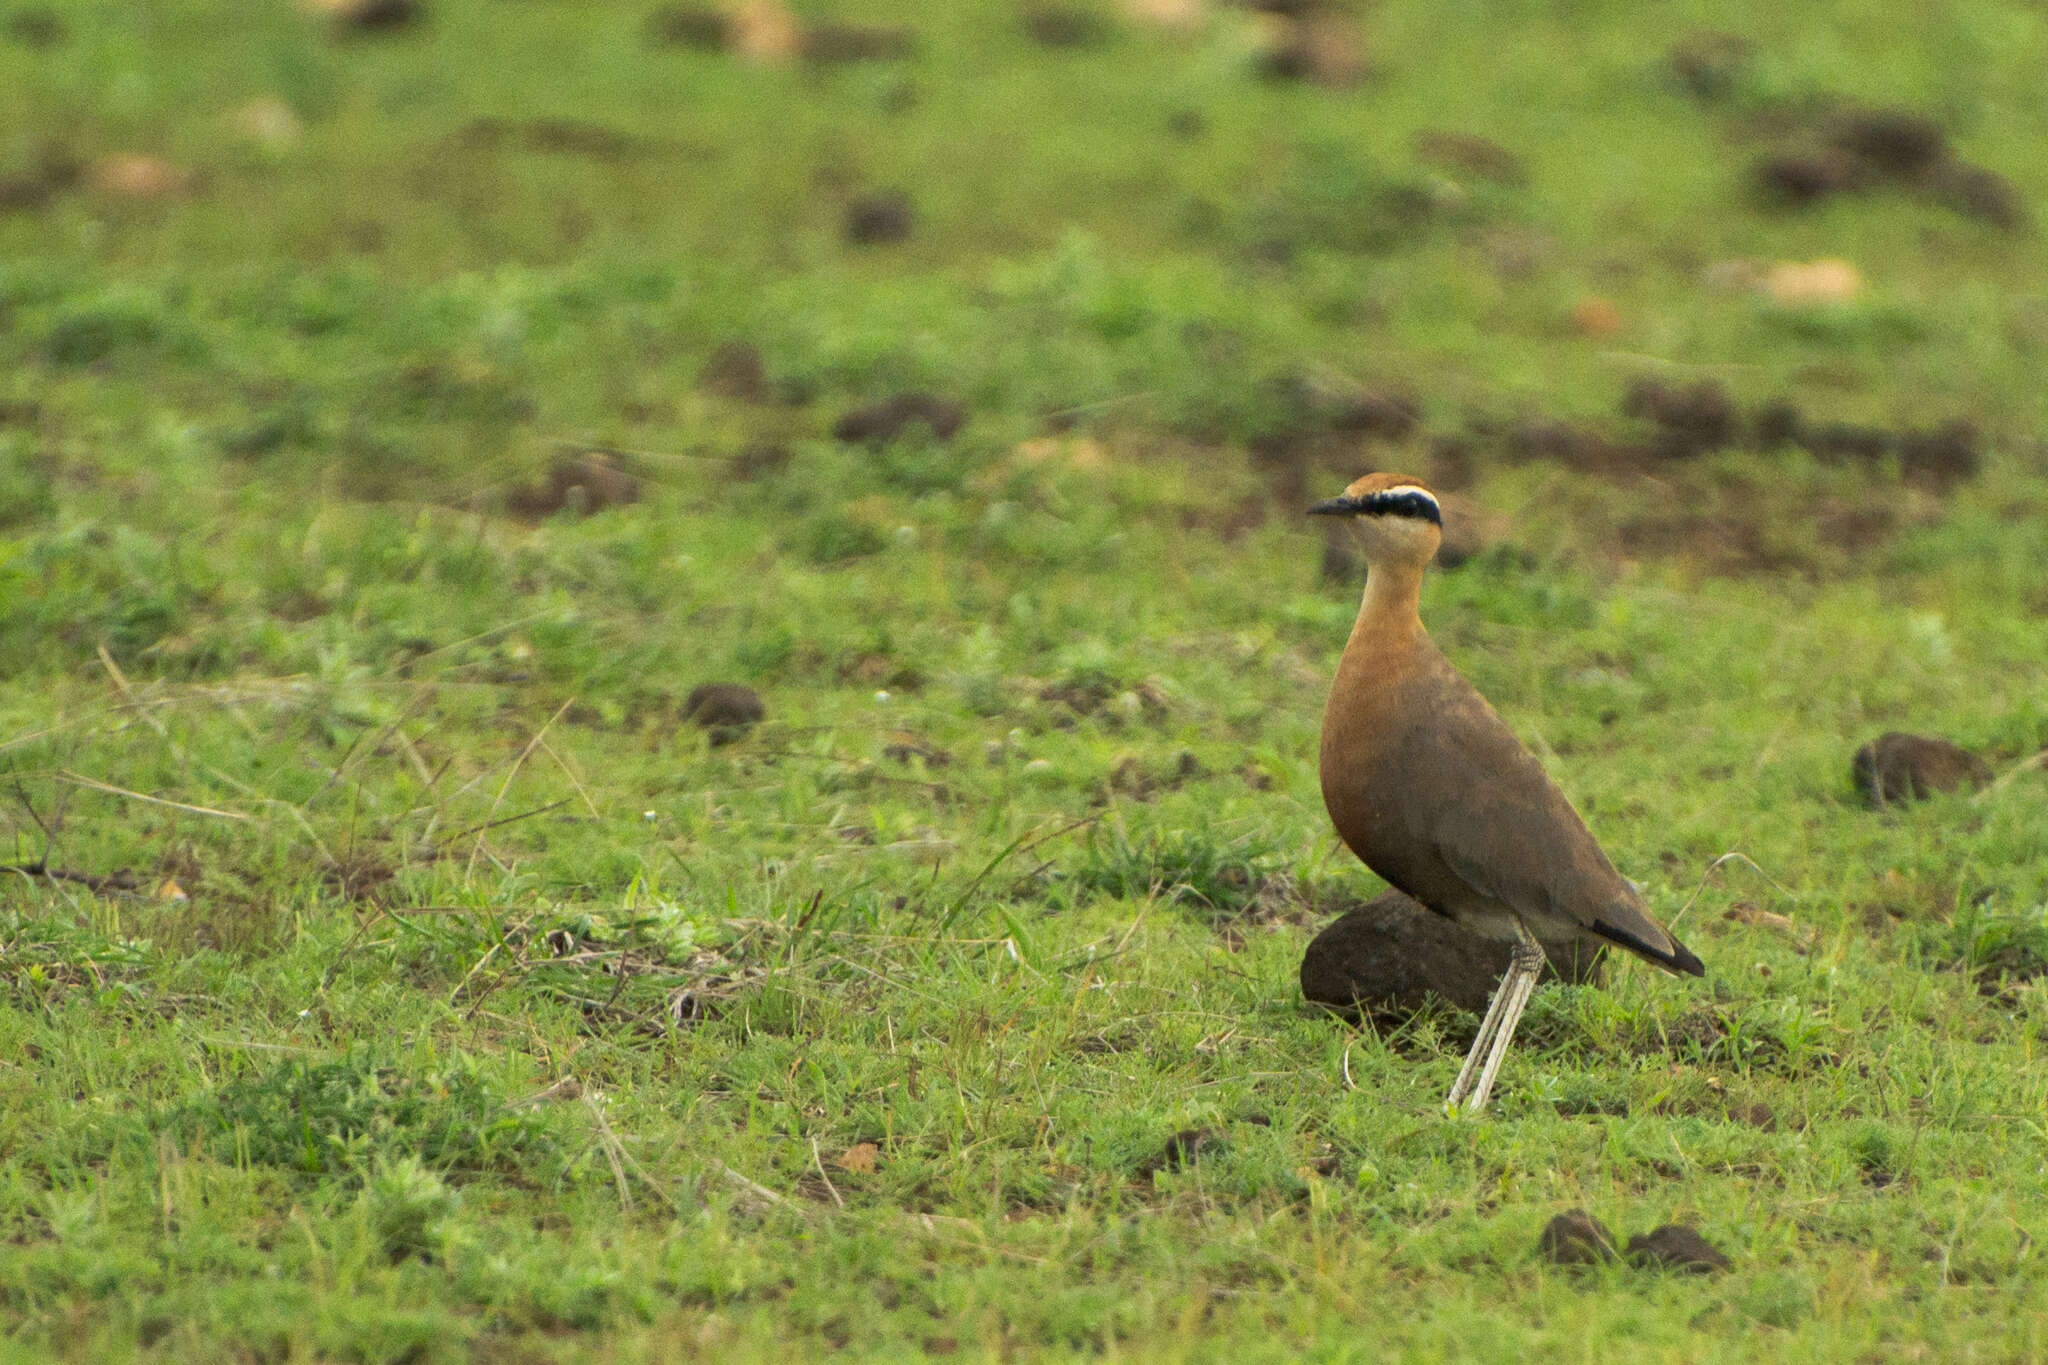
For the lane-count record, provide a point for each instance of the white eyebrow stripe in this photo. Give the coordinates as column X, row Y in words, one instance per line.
column 1403, row 490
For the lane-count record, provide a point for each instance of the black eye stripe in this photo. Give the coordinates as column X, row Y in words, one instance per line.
column 1402, row 503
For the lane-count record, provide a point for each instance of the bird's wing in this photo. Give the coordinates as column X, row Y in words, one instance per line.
column 1484, row 805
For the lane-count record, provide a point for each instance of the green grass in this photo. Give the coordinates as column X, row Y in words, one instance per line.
column 496, row 1012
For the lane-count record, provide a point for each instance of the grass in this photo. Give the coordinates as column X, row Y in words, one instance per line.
column 428, row 988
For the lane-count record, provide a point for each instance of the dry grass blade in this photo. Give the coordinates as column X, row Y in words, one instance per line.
column 93, row 783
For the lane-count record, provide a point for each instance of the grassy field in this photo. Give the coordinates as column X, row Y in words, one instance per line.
column 425, row 985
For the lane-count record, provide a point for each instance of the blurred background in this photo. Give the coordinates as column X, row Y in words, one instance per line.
column 430, row 248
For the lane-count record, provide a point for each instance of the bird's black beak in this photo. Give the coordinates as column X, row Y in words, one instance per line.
column 1337, row 507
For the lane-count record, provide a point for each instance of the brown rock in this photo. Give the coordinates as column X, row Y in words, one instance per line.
column 735, row 370
column 1469, row 154
column 36, row 27
column 693, row 26
column 583, row 481
column 1691, row 418
column 884, row 216
column 759, row 460
column 726, row 710
column 1576, row 1238
column 1846, row 441
column 1055, row 25
column 1778, row 422
column 1390, row 955
column 1798, row 178
column 1183, row 1147
column 1323, row 46
column 765, row 31
column 1708, row 62
column 1943, row 456
column 1981, row 194
column 833, row 44
column 1895, row 143
column 131, row 175
column 366, row 15
column 1899, row 767
column 892, row 417
column 1676, row 1247
column 1596, row 317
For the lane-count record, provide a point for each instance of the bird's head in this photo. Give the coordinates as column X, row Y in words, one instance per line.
column 1397, row 518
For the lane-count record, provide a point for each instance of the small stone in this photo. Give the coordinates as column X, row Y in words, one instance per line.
column 735, row 370
column 692, row 26
column 366, row 15
column 1054, row 25
column 880, row 423
column 1981, row 194
column 1469, row 154
column 1576, row 1238
column 1803, row 283
column 1596, row 317
column 726, row 710
column 131, row 175
column 1709, row 63
column 1945, row 455
column 1900, row 767
column 833, row 44
column 270, row 123
column 1796, row 179
column 884, row 216
column 36, row 27
column 1676, row 1247
column 1897, row 143
column 1391, row 955
column 583, row 482
column 1183, row 1147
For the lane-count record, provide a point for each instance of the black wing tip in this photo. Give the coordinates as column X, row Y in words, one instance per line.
column 1682, row 960
column 1679, row 959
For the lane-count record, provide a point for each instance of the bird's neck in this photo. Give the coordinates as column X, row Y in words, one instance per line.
column 1391, row 608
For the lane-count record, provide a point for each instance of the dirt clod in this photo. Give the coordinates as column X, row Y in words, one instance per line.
column 1900, row 767
column 36, row 27
column 1065, row 26
column 583, row 481
column 1691, row 419
column 1778, row 423
column 726, row 710
column 1469, row 154
column 367, row 16
column 1676, row 1247
column 735, row 370
column 1576, row 1237
column 693, row 26
column 1799, row 178
column 880, row 423
column 1183, row 1147
column 1896, row 143
column 1982, row 194
column 1389, row 955
column 761, row 460
column 1943, row 456
column 833, row 44
column 1323, row 47
column 1708, row 63
column 881, row 217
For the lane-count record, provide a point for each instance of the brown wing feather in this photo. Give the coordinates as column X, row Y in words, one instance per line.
column 1495, row 820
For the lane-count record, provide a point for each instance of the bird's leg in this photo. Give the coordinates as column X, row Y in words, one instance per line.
column 1487, row 1027
column 1523, row 969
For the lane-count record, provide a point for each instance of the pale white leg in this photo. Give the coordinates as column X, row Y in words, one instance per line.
column 1523, row 970
column 1487, row 1027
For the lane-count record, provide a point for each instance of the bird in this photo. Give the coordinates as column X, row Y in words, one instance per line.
column 1431, row 789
